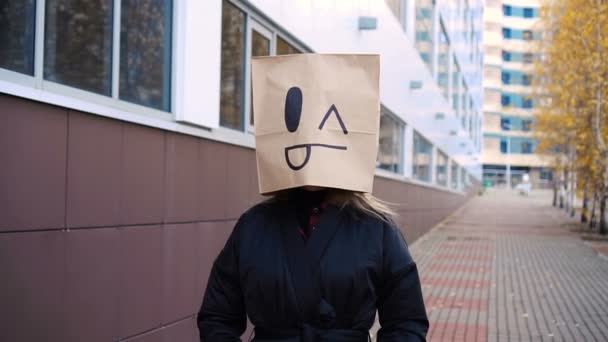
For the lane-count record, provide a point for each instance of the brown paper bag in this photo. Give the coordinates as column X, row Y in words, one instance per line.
column 316, row 120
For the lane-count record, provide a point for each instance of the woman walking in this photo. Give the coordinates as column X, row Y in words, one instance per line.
column 318, row 259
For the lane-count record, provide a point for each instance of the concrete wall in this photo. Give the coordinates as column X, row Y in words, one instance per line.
column 108, row 229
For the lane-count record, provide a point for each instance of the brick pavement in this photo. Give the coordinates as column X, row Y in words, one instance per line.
column 507, row 268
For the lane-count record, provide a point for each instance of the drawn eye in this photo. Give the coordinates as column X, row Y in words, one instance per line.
column 293, row 108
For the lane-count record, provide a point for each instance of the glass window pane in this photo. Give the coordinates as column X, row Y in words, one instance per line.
column 389, row 153
column 145, row 53
column 424, row 29
column 17, row 26
column 455, row 85
column 422, row 158
column 284, row 48
column 78, row 44
column 443, row 60
column 260, row 46
column 442, row 169
column 233, row 67
column 454, row 175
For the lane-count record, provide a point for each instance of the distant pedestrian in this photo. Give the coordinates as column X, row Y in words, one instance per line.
column 318, row 259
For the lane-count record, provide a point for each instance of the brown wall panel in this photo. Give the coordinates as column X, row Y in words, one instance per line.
column 180, row 264
column 143, row 172
column 94, row 166
column 183, row 176
column 213, row 177
column 92, row 286
column 33, row 144
column 147, row 211
column 140, row 279
column 32, row 286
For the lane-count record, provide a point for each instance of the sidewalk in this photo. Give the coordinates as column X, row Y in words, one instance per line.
column 507, row 268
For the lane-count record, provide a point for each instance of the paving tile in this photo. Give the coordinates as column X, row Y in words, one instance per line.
column 504, row 268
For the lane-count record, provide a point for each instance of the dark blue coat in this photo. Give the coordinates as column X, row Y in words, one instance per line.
column 325, row 289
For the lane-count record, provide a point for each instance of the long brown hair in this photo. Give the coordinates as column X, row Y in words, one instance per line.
column 363, row 203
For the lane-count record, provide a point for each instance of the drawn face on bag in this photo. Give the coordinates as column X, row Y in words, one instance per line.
column 317, row 119
column 293, row 115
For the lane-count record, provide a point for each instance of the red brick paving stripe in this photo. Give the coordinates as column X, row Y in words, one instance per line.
column 475, row 304
column 517, row 231
column 462, row 256
column 435, row 267
column 468, row 247
column 457, row 332
column 450, row 283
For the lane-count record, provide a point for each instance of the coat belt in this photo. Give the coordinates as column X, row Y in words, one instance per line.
column 308, row 333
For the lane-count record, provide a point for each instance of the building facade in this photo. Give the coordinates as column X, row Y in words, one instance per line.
column 511, row 29
column 127, row 145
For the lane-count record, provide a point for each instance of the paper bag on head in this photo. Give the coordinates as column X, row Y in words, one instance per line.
column 316, row 121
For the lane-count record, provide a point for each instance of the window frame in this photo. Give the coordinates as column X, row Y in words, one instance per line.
column 398, row 144
column 250, row 26
column 255, row 21
column 37, row 83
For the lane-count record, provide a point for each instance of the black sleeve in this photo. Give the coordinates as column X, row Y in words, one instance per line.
column 222, row 316
column 400, row 304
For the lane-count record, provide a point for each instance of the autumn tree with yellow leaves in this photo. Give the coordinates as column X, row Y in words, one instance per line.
column 571, row 83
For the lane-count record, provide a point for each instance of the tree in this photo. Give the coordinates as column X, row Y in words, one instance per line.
column 572, row 81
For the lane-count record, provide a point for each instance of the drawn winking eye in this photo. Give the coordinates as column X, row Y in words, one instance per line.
column 293, row 111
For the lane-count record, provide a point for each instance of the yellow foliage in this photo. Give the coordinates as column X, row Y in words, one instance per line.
column 571, row 81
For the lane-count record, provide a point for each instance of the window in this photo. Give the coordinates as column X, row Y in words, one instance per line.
column 505, row 100
column 455, row 84
column 232, row 87
column 454, row 175
column 528, row 12
column 260, row 46
column 526, row 125
column 17, row 24
column 526, row 79
column 78, row 44
column 528, row 103
column 506, row 77
column 442, row 168
column 463, row 177
column 528, row 57
column 145, row 53
column 505, row 124
column 243, row 37
column 526, row 147
column 443, row 60
column 390, row 143
column 527, row 35
column 506, row 56
column 284, row 48
column 399, row 9
column 424, row 29
column 546, row 174
column 422, row 158
column 503, row 146
column 506, row 33
column 506, row 10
